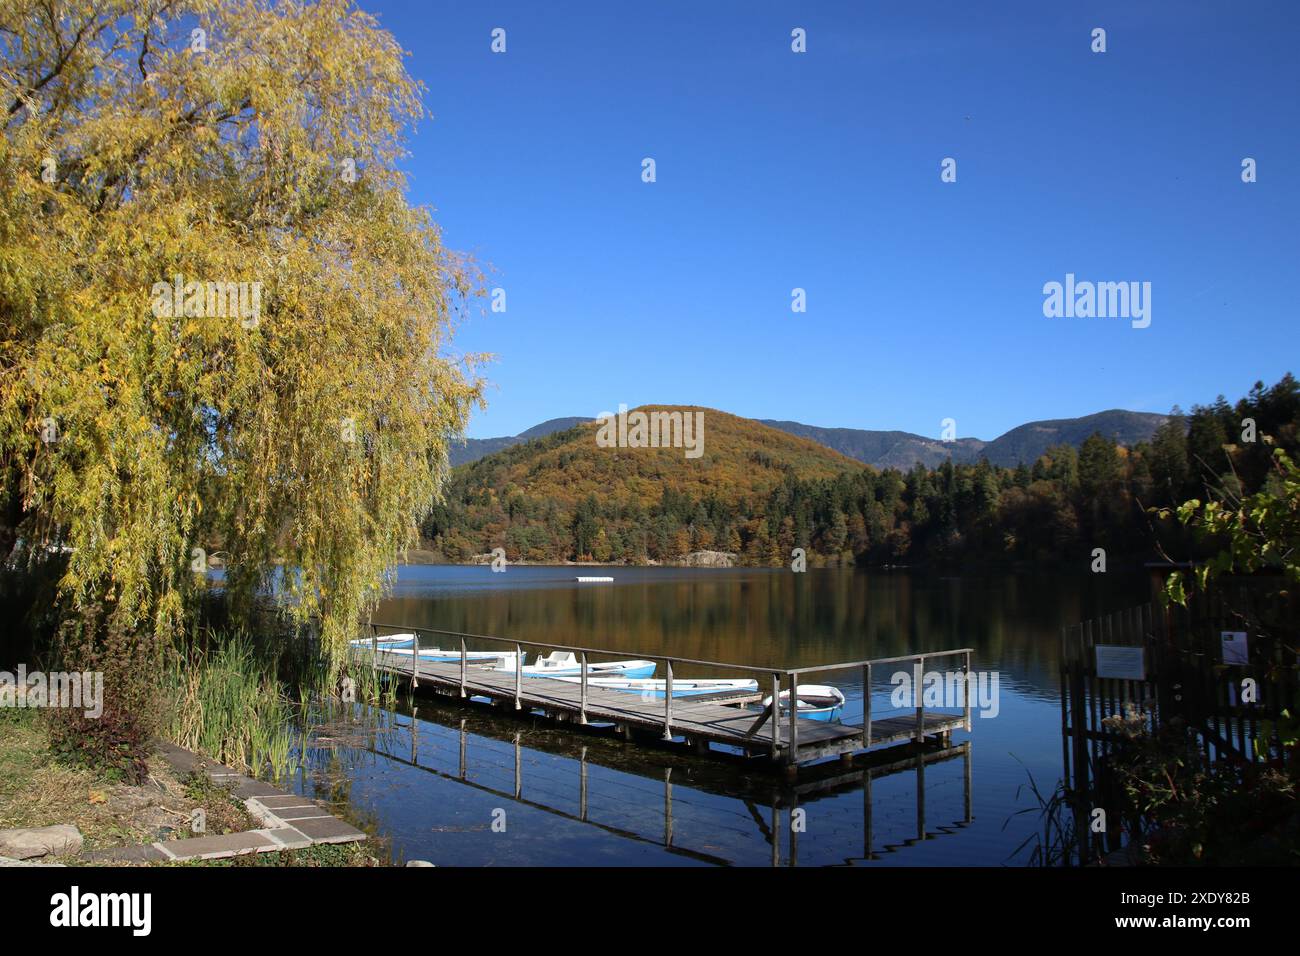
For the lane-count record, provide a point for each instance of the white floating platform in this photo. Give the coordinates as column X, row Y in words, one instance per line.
column 589, row 579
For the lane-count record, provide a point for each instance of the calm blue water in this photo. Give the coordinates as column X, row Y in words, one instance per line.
column 440, row 784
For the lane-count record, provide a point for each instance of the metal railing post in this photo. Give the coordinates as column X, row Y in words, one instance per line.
column 415, row 659
column 668, row 702
column 519, row 675
column 463, row 659
column 794, row 716
column 919, row 675
column 374, row 649
column 866, row 707
column 776, row 714
column 966, row 673
column 582, row 710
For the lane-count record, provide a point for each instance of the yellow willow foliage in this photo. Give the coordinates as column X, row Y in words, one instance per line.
column 222, row 327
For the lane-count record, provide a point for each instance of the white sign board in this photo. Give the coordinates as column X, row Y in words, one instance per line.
column 1235, row 648
column 1121, row 662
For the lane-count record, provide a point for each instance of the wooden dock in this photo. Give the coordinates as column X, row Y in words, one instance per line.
column 719, row 719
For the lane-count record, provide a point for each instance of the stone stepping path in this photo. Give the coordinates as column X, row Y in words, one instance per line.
column 288, row 822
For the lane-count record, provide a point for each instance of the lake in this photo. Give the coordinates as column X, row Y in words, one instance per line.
column 461, row 785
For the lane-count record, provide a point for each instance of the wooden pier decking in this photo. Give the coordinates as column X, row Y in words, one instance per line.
column 701, row 722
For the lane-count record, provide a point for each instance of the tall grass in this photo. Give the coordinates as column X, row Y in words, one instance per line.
column 247, row 703
column 225, row 701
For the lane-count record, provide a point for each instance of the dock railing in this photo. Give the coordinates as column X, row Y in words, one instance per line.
column 868, row 666
column 775, row 675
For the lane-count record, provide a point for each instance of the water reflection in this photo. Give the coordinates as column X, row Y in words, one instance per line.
column 434, row 783
column 697, row 810
column 767, row 617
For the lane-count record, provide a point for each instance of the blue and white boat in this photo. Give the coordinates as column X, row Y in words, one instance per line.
column 403, row 644
column 385, row 641
column 656, row 688
column 566, row 664
column 816, row 702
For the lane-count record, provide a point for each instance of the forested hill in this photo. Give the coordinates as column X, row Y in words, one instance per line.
column 739, row 458
column 535, row 497
column 760, row 492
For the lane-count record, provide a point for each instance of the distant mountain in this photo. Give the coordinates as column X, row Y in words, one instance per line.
column 1026, row 442
column 472, row 449
column 899, row 450
column 902, row 450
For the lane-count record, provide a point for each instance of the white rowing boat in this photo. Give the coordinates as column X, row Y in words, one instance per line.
column 403, row 644
column 656, row 688
column 816, row 701
column 566, row 664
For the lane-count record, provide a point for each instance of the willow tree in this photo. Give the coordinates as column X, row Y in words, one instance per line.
column 223, row 328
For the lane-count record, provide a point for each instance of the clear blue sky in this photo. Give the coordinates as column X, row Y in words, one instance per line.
column 821, row 170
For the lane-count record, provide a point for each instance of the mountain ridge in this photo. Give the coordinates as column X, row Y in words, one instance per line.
column 468, row 450
column 894, row 448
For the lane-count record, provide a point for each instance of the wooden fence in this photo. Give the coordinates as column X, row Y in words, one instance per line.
column 1175, row 665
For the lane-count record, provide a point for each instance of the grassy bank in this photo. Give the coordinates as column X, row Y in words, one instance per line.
column 39, row 789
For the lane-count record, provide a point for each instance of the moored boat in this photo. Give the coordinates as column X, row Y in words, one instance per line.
column 566, row 664
column 403, row 644
column 385, row 641
column 658, row 688
column 816, row 701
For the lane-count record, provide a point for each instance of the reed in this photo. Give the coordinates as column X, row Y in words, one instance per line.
column 249, row 703
column 1054, row 842
column 225, row 701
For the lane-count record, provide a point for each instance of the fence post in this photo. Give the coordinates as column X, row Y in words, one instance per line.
column 668, row 702
column 415, row 659
column 794, row 716
column 966, row 684
column 776, row 714
column 582, row 714
column 919, row 675
column 866, row 707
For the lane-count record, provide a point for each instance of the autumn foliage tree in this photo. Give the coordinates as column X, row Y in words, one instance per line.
column 157, row 156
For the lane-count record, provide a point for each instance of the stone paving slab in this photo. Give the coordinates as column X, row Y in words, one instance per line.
column 256, row 788
column 303, row 813
column 182, row 761
column 220, row 772
column 219, row 847
column 148, row 853
column 284, row 800
column 288, row 838
column 328, row 830
column 311, row 823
